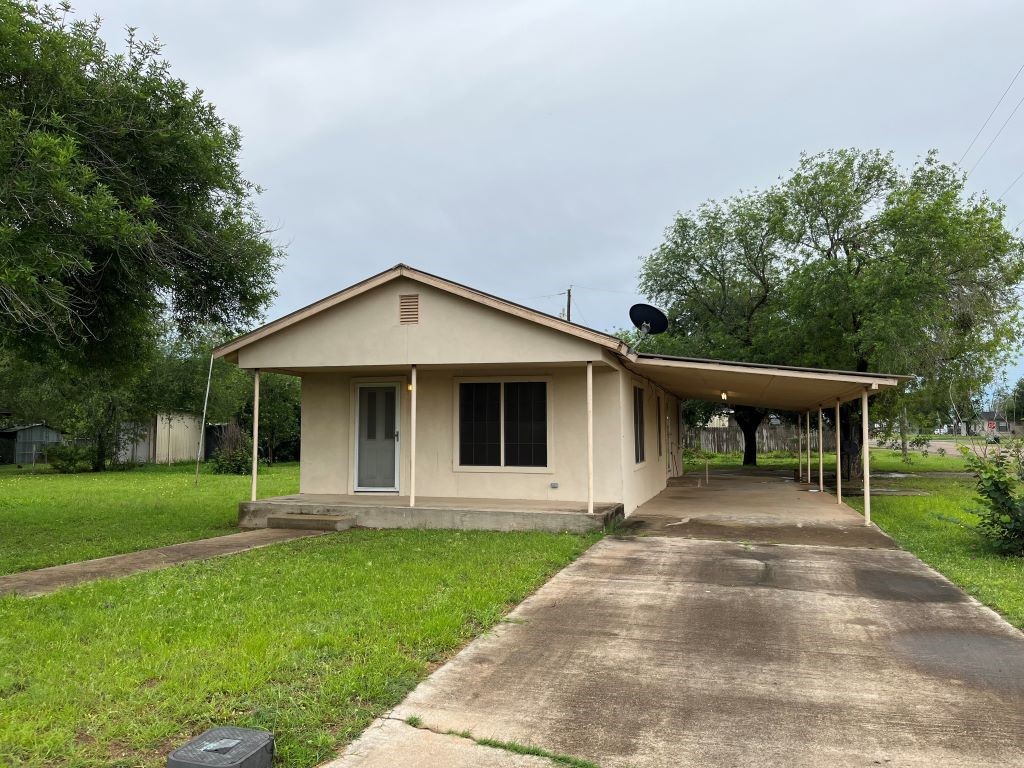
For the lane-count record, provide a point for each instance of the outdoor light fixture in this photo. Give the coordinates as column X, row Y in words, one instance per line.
column 409, row 386
column 725, row 396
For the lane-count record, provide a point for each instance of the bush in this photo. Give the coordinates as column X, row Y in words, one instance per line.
column 234, row 456
column 68, row 458
column 998, row 484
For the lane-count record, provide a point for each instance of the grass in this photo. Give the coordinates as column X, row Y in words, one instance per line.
column 940, row 529
column 50, row 519
column 882, row 460
column 310, row 639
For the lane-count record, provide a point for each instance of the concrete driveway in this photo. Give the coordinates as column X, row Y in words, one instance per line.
column 673, row 651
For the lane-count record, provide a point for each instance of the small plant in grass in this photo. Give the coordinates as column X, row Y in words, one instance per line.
column 68, row 458
column 940, row 451
column 414, row 721
column 999, row 486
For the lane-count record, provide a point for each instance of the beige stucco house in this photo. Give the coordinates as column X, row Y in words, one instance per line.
column 415, row 386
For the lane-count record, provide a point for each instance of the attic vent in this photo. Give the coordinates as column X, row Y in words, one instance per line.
column 409, row 309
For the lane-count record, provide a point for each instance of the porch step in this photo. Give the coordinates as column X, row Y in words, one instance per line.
column 311, row 522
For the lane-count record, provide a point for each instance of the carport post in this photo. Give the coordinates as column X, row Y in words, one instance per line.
column 821, row 456
column 800, row 450
column 412, row 437
column 839, row 464
column 255, row 430
column 807, row 421
column 866, row 447
column 590, row 437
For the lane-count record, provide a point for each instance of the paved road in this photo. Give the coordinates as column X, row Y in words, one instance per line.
column 659, row 651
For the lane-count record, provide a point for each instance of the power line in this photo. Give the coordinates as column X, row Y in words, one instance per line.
column 1012, row 185
column 990, row 114
column 987, row 148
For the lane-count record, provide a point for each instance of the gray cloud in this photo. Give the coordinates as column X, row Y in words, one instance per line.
column 523, row 146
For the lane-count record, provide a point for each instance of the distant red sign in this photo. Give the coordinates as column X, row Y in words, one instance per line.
column 991, row 425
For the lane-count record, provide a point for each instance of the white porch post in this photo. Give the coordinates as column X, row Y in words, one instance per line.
column 821, row 455
column 255, row 431
column 800, row 448
column 590, row 437
column 866, row 447
column 807, row 423
column 412, row 438
column 839, row 465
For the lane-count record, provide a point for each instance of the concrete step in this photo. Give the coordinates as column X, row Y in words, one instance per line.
column 311, row 522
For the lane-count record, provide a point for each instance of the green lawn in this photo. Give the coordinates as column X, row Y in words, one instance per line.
column 49, row 519
column 310, row 639
column 882, row 460
column 940, row 530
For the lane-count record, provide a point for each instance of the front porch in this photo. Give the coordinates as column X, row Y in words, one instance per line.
column 341, row 511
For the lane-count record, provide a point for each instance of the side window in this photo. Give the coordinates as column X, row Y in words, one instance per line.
column 638, row 425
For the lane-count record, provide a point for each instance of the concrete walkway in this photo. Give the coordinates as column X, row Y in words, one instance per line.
column 659, row 651
column 46, row 580
column 760, row 506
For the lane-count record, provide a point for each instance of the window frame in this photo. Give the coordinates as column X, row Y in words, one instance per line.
column 639, row 425
column 548, row 468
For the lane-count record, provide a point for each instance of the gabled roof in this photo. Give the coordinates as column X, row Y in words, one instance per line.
column 605, row 340
column 756, row 384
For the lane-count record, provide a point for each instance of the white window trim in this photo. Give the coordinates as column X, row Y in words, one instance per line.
column 503, row 470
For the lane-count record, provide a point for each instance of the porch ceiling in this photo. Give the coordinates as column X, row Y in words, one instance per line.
column 765, row 386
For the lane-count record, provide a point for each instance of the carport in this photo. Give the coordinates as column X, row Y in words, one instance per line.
column 784, row 388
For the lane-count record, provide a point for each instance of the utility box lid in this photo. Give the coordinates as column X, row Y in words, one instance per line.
column 226, row 747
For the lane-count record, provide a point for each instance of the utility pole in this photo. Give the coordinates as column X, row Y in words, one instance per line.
column 568, row 304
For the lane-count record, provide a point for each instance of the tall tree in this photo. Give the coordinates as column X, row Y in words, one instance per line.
column 872, row 267
column 121, row 197
column 719, row 273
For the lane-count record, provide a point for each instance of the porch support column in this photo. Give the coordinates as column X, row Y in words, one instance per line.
column 590, row 437
column 821, row 454
column 866, row 461
column 839, row 464
column 800, row 448
column 255, row 431
column 412, row 438
column 807, row 423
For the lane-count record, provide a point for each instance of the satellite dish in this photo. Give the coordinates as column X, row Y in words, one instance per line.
column 648, row 320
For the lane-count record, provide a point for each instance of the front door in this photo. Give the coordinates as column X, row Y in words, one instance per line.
column 377, row 438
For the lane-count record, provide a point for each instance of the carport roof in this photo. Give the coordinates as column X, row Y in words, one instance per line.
column 785, row 388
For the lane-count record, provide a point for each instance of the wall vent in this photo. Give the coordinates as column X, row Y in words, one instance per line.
column 408, row 309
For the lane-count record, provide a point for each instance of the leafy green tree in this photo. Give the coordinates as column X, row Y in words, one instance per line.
column 121, row 197
column 720, row 275
column 280, row 414
column 850, row 262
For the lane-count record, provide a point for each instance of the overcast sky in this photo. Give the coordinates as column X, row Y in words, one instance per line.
column 521, row 147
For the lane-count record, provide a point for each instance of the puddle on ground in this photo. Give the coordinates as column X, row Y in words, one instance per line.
column 884, row 584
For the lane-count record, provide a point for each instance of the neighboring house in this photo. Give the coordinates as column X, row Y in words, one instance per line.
column 992, row 423
column 169, row 437
column 416, row 385
column 27, row 444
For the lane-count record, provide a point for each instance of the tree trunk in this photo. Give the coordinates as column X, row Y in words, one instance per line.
column 99, row 456
column 749, row 419
column 903, row 435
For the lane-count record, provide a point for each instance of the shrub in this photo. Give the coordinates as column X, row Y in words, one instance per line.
column 68, row 458
column 998, row 484
column 919, row 441
column 940, row 451
column 234, row 456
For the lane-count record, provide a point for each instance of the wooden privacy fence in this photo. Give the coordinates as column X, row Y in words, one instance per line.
column 769, row 438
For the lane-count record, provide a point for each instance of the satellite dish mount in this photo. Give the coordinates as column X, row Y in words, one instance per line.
column 648, row 320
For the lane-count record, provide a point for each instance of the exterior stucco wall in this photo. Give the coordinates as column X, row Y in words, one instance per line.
column 328, row 433
column 365, row 331
column 645, row 480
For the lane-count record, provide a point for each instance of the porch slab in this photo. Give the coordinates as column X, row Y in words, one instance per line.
column 390, row 511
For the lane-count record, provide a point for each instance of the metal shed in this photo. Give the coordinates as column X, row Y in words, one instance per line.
column 27, row 444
